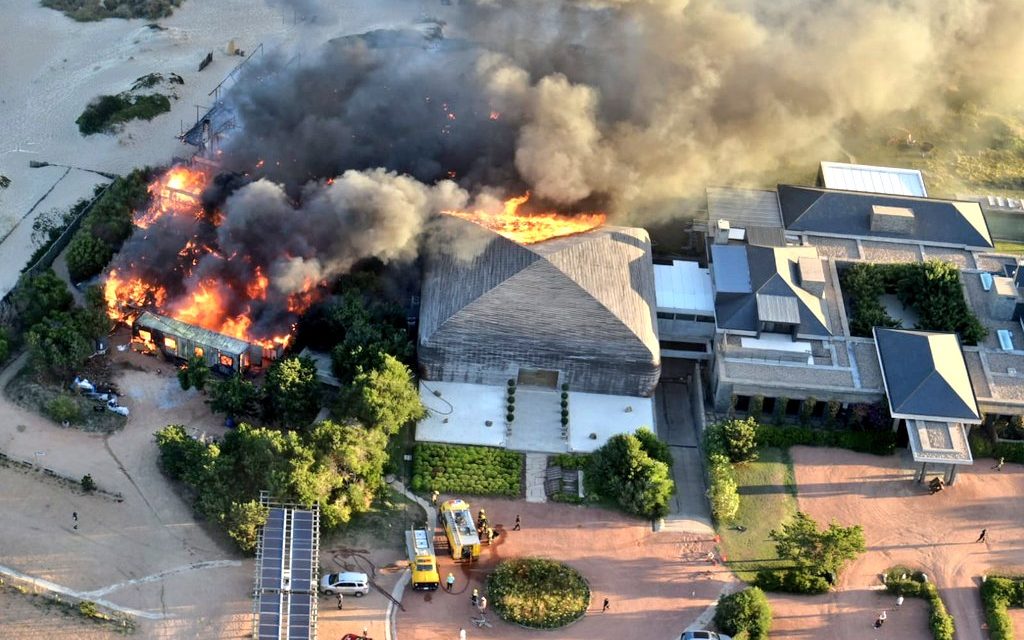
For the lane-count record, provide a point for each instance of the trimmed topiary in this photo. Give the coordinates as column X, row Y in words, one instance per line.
column 538, row 593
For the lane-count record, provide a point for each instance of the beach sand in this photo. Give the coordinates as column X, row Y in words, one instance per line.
column 51, row 67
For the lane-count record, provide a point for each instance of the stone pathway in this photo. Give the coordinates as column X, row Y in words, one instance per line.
column 536, row 463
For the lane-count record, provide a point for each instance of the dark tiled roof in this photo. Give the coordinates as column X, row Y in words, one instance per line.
column 763, row 271
column 925, row 375
column 849, row 213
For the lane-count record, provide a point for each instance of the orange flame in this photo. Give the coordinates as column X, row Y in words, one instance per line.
column 528, row 228
column 177, row 191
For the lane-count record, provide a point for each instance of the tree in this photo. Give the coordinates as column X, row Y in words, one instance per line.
column 57, row 344
column 293, row 392
column 243, row 521
column 38, row 296
column 385, row 398
column 368, row 333
column 93, row 317
column 626, row 473
column 5, row 345
column 746, row 610
column 179, row 454
column 740, row 438
column 195, row 373
column 653, row 446
column 801, row 542
column 86, row 256
column 88, row 484
column 236, row 397
column 63, row 408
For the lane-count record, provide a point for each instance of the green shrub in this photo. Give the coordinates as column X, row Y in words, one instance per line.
column 623, row 471
column 806, row 410
column 723, row 492
column 88, row 609
column 983, row 446
column 64, row 408
column 998, row 593
column 88, row 484
column 572, row 461
column 736, row 438
column 538, row 593
column 653, row 446
column 107, row 225
column 791, row 581
column 92, row 10
column 466, row 469
column 746, row 610
column 106, row 112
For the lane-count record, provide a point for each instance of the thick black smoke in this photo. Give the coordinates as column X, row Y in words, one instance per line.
column 628, row 105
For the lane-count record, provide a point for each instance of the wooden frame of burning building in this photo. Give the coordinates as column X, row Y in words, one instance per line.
column 152, row 333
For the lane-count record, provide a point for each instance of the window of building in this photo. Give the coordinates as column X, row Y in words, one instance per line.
column 171, row 343
column 244, row 360
column 819, row 409
column 768, row 407
column 227, row 361
column 198, row 351
column 743, row 403
column 793, row 407
column 145, row 335
column 664, row 315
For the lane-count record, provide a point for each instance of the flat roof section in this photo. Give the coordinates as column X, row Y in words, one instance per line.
column 872, row 179
column 683, row 287
column 939, row 442
column 743, row 208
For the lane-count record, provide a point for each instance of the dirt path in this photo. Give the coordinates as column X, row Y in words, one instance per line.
column 903, row 524
column 147, row 553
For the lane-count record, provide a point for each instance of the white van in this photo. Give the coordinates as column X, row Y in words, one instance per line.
column 349, row 583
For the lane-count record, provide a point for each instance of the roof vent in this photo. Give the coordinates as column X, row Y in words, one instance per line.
column 892, row 219
column 722, row 232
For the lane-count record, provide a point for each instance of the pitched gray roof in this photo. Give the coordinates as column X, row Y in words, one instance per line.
column 849, row 213
column 743, row 208
column 211, row 339
column 925, row 375
column 586, row 297
column 747, row 273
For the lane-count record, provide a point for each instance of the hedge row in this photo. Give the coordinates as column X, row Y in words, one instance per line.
column 998, row 593
column 983, row 446
column 465, row 469
column 792, row 581
column 915, row 586
column 881, row 443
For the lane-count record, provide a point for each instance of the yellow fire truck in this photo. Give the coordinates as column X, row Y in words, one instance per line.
column 422, row 561
column 460, row 530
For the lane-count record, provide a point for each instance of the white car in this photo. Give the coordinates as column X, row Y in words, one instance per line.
column 349, row 583
column 703, row 635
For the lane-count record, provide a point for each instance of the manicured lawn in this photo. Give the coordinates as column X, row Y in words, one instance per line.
column 767, row 491
column 1005, row 246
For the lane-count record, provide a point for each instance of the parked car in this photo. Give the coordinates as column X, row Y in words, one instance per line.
column 349, row 583
column 703, row 635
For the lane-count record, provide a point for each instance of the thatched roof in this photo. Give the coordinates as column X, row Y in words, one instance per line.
column 587, row 298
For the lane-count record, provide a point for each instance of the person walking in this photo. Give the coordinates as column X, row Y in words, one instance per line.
column 899, row 600
column 482, row 605
column 341, row 602
column 74, row 516
column 475, row 597
column 982, row 537
column 449, row 582
column 462, row 634
column 604, row 607
column 999, row 465
column 518, row 525
column 880, row 620
column 433, row 497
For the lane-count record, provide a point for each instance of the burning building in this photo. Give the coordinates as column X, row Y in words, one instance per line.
column 184, row 341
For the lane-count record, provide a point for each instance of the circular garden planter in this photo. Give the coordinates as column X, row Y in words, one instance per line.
column 538, row 593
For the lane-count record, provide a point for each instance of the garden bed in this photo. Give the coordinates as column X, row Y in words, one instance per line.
column 27, row 392
column 538, row 593
column 463, row 469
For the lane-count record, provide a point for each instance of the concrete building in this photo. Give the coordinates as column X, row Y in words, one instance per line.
column 783, row 331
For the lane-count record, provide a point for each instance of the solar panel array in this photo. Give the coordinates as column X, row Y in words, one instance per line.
column 286, row 574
